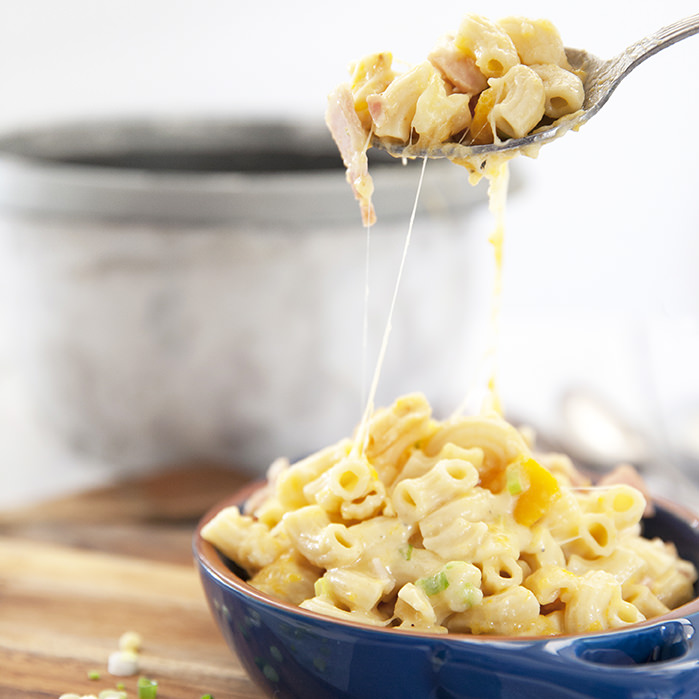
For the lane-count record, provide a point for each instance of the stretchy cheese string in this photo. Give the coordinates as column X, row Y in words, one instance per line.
column 497, row 175
column 365, row 322
column 498, row 180
column 361, row 437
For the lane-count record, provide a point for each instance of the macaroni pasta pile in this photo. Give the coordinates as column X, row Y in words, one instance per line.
column 454, row 526
column 515, row 72
column 488, row 82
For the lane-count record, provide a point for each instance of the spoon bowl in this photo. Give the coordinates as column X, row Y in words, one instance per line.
column 600, row 78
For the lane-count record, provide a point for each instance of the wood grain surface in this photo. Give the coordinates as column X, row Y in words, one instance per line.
column 77, row 572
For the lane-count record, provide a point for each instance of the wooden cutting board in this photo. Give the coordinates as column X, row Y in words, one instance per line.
column 77, row 572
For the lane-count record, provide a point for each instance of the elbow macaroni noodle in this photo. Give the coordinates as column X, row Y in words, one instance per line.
column 454, row 526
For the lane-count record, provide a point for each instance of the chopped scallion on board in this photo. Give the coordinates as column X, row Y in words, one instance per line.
column 147, row 689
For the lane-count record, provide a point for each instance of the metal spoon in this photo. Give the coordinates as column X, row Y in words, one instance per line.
column 601, row 79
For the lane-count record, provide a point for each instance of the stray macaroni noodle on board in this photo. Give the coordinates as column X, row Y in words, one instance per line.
column 488, row 82
column 454, row 526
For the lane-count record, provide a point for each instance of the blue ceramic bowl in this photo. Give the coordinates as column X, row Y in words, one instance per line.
column 291, row 652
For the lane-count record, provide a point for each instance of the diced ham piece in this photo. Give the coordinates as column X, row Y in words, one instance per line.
column 458, row 68
column 353, row 143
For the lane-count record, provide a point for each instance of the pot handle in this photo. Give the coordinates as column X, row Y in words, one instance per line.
column 653, row 650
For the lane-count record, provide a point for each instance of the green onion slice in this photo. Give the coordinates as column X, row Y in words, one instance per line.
column 513, row 476
column 147, row 689
column 433, row 584
column 406, row 550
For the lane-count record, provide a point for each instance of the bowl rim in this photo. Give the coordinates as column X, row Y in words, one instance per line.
column 207, row 556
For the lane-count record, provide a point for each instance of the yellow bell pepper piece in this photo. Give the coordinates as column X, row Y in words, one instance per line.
column 481, row 129
column 539, row 488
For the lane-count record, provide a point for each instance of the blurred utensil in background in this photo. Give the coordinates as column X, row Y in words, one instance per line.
column 598, row 437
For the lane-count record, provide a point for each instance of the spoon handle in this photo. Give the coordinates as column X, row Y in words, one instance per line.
column 650, row 45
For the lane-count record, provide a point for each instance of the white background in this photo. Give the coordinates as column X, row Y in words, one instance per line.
column 601, row 282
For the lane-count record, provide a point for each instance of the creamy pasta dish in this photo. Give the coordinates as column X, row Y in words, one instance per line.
column 458, row 525
column 454, row 526
column 488, row 82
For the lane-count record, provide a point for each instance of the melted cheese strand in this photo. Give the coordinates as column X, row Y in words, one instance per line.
column 365, row 321
column 495, row 170
column 361, row 436
column 498, row 180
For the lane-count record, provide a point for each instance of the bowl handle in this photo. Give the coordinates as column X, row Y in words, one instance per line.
column 666, row 644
